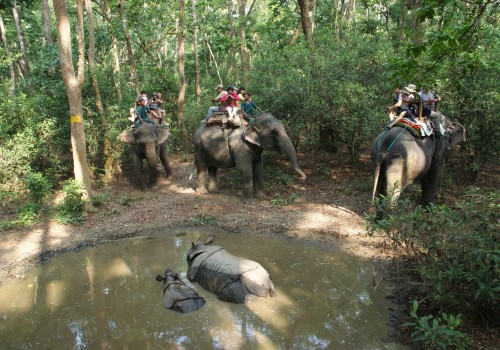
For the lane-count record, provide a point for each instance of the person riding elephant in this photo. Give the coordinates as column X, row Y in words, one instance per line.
column 149, row 142
column 399, row 159
column 241, row 147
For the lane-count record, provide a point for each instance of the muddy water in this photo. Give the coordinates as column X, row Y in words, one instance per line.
column 107, row 298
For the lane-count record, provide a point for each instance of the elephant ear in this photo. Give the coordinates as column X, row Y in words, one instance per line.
column 455, row 132
column 252, row 135
column 127, row 137
column 163, row 134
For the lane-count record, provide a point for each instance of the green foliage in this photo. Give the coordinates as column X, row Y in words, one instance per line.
column 438, row 332
column 38, row 187
column 29, row 213
column 277, row 200
column 201, row 220
column 71, row 209
column 456, row 250
column 125, row 199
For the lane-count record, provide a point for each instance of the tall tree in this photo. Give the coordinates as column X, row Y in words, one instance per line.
column 130, row 50
column 245, row 54
column 195, row 49
column 47, row 28
column 182, row 75
column 74, row 92
column 107, row 15
column 232, row 61
column 7, row 54
column 25, row 67
column 306, row 22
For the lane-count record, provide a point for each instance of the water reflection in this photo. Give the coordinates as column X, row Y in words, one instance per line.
column 107, row 297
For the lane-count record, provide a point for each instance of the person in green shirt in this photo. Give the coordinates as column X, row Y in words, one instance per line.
column 248, row 105
column 142, row 113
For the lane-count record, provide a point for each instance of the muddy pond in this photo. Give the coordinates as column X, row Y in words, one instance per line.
column 107, row 297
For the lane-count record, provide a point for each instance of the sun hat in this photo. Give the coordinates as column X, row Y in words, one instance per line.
column 220, row 86
column 411, row 88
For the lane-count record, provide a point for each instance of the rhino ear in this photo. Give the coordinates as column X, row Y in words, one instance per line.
column 192, row 245
column 210, row 239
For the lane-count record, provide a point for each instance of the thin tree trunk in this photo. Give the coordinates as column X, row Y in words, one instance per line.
column 12, row 72
column 130, row 50
column 245, row 54
column 195, row 48
column 232, row 65
column 416, row 24
column 182, row 78
column 401, row 28
column 105, row 10
column 22, row 42
column 74, row 92
column 47, row 29
column 81, row 42
column 104, row 146
column 214, row 59
column 306, row 22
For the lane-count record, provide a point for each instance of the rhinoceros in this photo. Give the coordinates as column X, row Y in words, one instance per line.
column 177, row 295
column 231, row 278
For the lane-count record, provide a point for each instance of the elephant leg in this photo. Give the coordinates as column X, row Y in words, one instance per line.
column 257, row 179
column 137, row 170
column 152, row 160
column 394, row 182
column 201, row 172
column 164, row 160
column 431, row 182
column 212, row 179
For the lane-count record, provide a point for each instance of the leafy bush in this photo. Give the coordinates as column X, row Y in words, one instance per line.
column 38, row 187
column 438, row 332
column 71, row 209
column 456, row 250
column 277, row 200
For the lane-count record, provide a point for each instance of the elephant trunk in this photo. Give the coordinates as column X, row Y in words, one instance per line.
column 286, row 145
column 151, row 155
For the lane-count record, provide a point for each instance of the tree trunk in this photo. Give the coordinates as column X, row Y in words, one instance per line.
column 195, row 48
column 245, row 54
column 22, row 42
column 416, row 23
column 130, row 50
column 81, row 43
column 232, row 65
column 9, row 60
column 47, row 29
column 182, row 77
column 74, row 92
column 306, row 22
column 104, row 146
column 105, row 10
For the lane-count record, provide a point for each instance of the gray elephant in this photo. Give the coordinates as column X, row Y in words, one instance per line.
column 231, row 278
column 242, row 147
column 177, row 295
column 150, row 143
column 400, row 159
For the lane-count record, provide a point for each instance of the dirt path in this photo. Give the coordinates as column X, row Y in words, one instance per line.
column 329, row 208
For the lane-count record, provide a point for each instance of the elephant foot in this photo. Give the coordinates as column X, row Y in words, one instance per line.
column 213, row 189
column 201, row 190
column 260, row 195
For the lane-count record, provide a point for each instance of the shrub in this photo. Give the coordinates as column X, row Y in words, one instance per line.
column 455, row 250
column 38, row 187
column 71, row 209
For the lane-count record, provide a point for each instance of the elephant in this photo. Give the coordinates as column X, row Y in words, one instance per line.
column 177, row 296
column 231, row 278
column 399, row 159
column 241, row 147
column 150, row 143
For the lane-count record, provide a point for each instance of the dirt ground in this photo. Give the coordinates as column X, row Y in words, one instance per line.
column 329, row 208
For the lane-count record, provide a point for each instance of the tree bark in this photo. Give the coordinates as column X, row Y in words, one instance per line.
column 25, row 67
column 232, row 64
column 74, row 92
column 12, row 72
column 47, row 29
column 182, row 77
column 130, row 50
column 416, row 23
column 245, row 54
column 306, row 22
column 106, row 13
column 195, row 48
column 81, row 42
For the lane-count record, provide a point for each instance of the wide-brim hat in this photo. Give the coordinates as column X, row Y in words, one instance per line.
column 411, row 88
column 220, row 86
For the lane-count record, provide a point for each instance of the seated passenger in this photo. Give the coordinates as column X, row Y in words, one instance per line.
column 231, row 99
column 154, row 108
column 220, row 94
column 248, row 105
column 403, row 106
column 142, row 112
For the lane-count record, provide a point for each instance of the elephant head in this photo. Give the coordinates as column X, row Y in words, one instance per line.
column 149, row 143
column 269, row 133
column 455, row 132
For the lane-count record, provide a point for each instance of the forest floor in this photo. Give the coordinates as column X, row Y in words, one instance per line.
column 329, row 207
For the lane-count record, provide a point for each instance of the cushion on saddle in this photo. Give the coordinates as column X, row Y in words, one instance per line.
column 410, row 126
